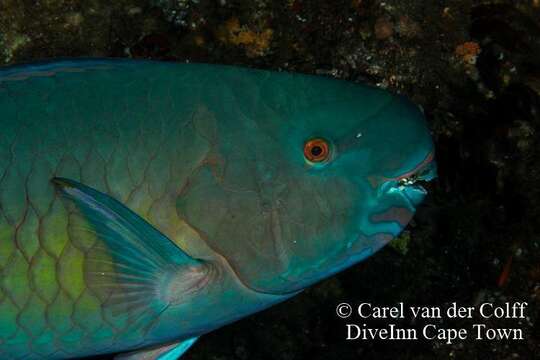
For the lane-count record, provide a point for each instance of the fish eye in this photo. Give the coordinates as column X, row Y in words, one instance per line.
column 316, row 150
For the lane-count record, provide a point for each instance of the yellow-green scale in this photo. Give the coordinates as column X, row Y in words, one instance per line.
column 102, row 138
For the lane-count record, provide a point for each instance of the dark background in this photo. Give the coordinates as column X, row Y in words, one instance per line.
column 473, row 66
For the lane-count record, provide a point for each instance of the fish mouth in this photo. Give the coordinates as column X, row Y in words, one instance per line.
column 424, row 174
column 411, row 187
column 413, row 194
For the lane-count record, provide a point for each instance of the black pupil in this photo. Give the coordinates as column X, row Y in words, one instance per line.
column 316, row 150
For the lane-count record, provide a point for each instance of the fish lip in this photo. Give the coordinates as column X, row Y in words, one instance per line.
column 410, row 192
column 428, row 172
column 411, row 188
column 419, row 188
column 401, row 189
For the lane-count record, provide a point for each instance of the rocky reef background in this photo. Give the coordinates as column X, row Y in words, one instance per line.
column 473, row 66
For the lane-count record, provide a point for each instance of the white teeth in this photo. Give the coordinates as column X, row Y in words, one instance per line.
column 407, row 181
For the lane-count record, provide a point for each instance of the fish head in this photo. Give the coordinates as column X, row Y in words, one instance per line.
column 310, row 187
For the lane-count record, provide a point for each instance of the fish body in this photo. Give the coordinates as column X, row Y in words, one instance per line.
column 147, row 203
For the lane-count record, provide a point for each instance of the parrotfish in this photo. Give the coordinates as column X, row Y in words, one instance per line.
column 144, row 204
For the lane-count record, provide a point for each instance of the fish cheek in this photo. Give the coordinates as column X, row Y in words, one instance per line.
column 277, row 236
column 201, row 203
column 231, row 224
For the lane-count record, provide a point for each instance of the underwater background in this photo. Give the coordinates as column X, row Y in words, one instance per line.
column 474, row 68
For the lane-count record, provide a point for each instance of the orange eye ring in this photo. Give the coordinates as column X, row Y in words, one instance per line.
column 316, row 150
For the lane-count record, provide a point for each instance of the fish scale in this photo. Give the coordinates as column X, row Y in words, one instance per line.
column 144, row 204
column 42, row 266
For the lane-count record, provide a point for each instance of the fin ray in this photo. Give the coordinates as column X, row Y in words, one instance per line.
column 133, row 265
column 164, row 352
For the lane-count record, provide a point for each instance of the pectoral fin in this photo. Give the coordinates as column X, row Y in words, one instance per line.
column 168, row 352
column 137, row 270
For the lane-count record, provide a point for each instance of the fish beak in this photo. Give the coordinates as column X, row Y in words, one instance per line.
column 409, row 188
column 429, row 172
column 412, row 189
